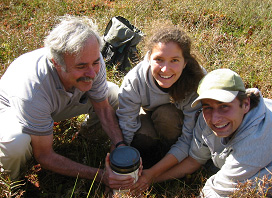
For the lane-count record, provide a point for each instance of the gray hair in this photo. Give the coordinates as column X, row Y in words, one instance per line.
column 70, row 36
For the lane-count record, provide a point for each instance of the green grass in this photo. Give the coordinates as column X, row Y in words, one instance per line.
column 225, row 34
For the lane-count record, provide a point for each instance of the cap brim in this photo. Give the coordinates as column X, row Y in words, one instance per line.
column 216, row 94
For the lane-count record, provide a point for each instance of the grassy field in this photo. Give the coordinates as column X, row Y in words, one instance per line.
column 225, row 34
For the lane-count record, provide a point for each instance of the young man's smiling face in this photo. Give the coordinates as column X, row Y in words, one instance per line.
column 81, row 70
column 224, row 118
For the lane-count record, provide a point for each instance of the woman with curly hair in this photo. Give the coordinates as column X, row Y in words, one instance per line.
column 155, row 97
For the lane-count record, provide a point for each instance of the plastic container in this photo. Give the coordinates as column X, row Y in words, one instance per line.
column 125, row 160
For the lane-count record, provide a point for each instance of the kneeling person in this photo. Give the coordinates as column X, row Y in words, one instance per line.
column 234, row 130
column 64, row 79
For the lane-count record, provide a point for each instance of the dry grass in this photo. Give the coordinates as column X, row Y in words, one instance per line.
column 260, row 187
column 225, row 34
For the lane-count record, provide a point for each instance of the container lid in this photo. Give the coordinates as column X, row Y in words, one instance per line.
column 125, row 159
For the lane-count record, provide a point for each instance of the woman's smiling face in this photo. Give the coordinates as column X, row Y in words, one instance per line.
column 167, row 63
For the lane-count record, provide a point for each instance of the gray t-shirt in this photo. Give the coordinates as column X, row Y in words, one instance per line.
column 32, row 88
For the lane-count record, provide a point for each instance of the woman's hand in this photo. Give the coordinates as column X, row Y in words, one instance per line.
column 143, row 183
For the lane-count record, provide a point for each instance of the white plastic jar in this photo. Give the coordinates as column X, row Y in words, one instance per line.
column 125, row 160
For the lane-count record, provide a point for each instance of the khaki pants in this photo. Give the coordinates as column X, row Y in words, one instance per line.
column 15, row 146
column 159, row 130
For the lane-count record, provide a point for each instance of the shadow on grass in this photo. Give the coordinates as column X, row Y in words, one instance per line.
column 89, row 147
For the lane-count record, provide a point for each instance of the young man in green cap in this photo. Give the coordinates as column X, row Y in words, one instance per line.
column 234, row 130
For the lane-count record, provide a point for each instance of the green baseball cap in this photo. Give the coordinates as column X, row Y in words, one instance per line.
column 222, row 85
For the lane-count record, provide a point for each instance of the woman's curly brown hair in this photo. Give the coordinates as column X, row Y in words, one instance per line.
column 192, row 73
